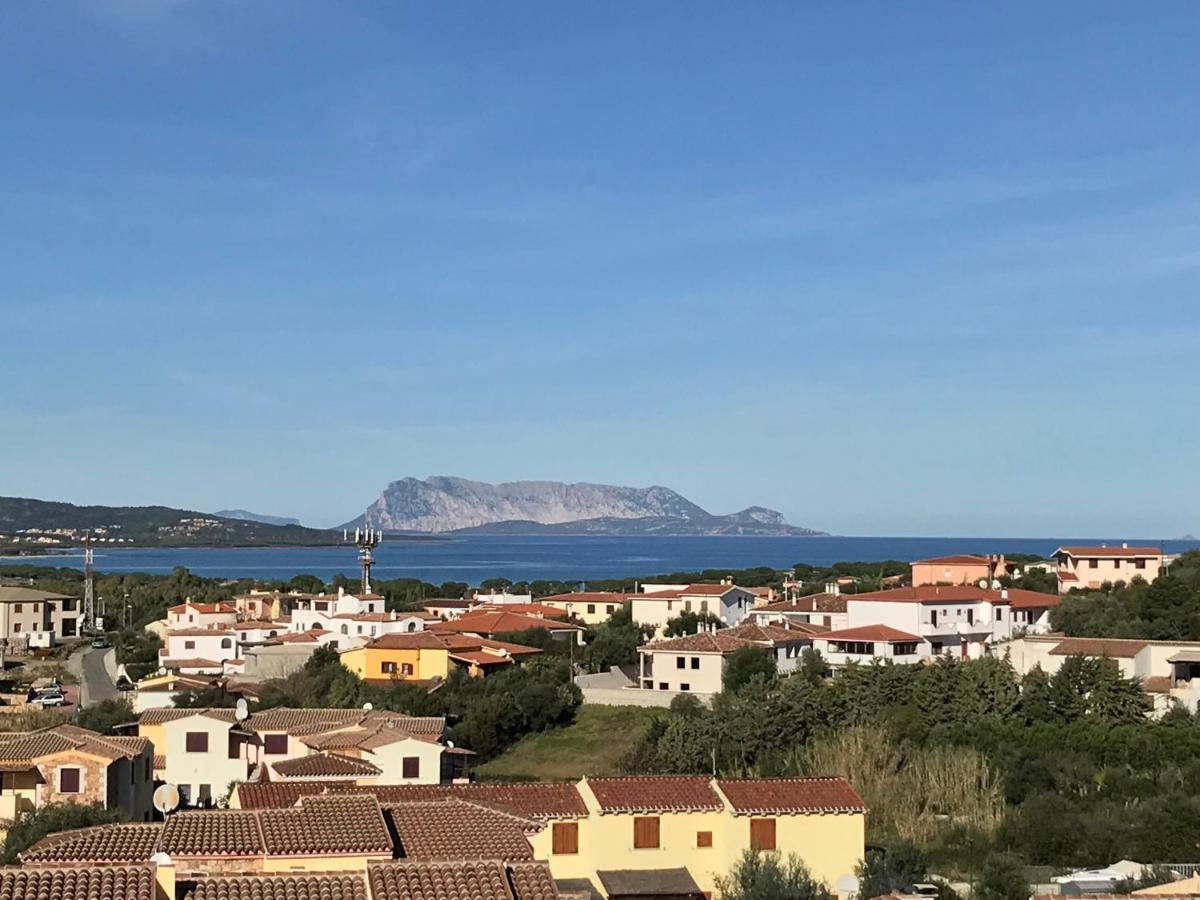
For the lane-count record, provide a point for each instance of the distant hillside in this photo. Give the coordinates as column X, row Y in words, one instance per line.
column 32, row 524
column 442, row 504
column 247, row 516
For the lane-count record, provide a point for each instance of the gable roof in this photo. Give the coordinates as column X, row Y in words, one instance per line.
column 500, row 623
column 727, row 640
column 118, row 842
column 819, row 603
column 663, row 793
column 326, row 765
column 1108, row 552
column 460, row 881
column 959, row 559
column 29, row 595
column 963, row 593
column 589, row 597
column 78, row 883
column 24, row 748
column 451, row 828
column 280, row 887
column 333, row 824
column 783, row 796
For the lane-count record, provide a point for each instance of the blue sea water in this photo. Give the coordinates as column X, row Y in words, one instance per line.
column 569, row 558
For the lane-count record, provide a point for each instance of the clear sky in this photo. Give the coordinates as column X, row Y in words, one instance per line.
column 890, row 268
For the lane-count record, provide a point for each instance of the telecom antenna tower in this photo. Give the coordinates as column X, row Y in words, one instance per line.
column 366, row 539
column 89, row 587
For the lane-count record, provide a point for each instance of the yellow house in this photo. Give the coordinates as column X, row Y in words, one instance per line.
column 409, row 656
column 589, row 607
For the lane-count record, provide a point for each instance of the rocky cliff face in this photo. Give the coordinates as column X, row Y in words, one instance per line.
column 441, row 504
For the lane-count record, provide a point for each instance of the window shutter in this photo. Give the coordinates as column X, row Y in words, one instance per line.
column 565, row 837
column 703, row 838
column 197, row 742
column 645, row 832
column 411, row 767
column 68, row 781
column 762, row 834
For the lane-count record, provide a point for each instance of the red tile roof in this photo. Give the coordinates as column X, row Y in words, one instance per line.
column 279, row 887
column 499, row 623
column 524, row 609
column 326, row 765
column 664, row 793
column 78, row 883
column 537, row 800
column 708, row 590
column 881, row 633
column 450, row 829
column 406, row 640
column 962, row 559
column 1109, row 552
column 1114, row 647
column 225, row 832
column 936, row 593
column 326, row 825
column 811, row 603
column 460, row 881
column 1157, row 684
column 1067, row 576
column 726, row 640
column 783, row 796
column 119, row 842
column 203, row 608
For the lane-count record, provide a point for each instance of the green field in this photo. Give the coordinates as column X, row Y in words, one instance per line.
column 591, row 745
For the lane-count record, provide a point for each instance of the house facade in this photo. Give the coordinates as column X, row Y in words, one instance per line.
column 826, row 609
column 695, row 663
column 589, row 607
column 35, row 618
column 658, row 604
column 1088, row 568
column 963, row 568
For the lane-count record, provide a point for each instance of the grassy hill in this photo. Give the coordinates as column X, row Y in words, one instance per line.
column 66, row 524
column 591, row 745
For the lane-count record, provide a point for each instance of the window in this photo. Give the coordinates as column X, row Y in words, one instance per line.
column 862, row 648
column 412, row 626
column 16, row 627
column 684, row 686
column 695, row 662
column 762, row 834
column 189, row 645
column 1093, row 563
column 998, row 611
column 18, row 608
column 687, row 605
column 591, row 607
column 564, row 837
column 680, row 662
column 907, row 648
column 933, row 618
column 1139, row 564
column 69, row 781
column 406, row 668
column 645, row 832
column 703, row 606
column 703, row 838
column 196, row 742
column 1116, row 564
column 663, row 686
column 388, row 668
column 610, row 609
column 275, row 743
column 226, row 644
column 235, row 746
column 205, row 794
column 410, row 767
column 970, row 617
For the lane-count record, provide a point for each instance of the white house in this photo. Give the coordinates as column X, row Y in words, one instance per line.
column 352, row 620
column 199, row 650
column 201, row 615
column 728, row 602
column 870, row 643
column 827, row 609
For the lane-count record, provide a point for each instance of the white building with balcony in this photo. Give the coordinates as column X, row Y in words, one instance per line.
column 728, row 602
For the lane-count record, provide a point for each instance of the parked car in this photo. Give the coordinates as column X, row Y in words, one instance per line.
column 101, row 643
column 124, row 684
column 48, row 699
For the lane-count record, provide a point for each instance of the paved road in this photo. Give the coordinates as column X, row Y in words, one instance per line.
column 95, row 683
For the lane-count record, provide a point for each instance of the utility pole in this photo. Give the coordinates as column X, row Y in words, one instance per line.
column 89, row 587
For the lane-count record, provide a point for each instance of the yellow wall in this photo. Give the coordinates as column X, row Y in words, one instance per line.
column 427, row 663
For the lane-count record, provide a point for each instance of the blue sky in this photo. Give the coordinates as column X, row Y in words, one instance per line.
column 889, row 268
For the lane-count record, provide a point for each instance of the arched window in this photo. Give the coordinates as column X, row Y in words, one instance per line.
column 345, row 629
column 412, row 626
column 226, row 643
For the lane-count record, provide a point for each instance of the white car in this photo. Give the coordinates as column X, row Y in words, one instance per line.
column 47, row 699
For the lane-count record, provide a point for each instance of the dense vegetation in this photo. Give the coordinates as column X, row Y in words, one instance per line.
column 1167, row 609
column 964, row 760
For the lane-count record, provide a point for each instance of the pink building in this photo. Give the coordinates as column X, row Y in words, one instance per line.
column 1090, row 567
column 966, row 568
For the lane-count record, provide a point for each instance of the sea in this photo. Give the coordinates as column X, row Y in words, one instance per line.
column 473, row 558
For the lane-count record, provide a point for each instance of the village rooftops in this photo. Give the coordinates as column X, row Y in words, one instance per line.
column 524, row 609
column 882, row 634
column 330, row 886
column 60, row 883
column 783, row 796
column 533, row 800
column 664, row 793
column 726, row 640
column 810, row 603
column 115, row 843
column 451, row 828
column 500, row 622
column 20, row 751
column 309, row 722
column 414, row 880
column 322, row 766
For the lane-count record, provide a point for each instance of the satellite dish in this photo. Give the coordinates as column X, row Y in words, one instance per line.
column 162, row 670
column 996, row 584
column 449, row 745
column 162, row 858
column 166, row 798
column 367, row 707
column 241, row 710
column 983, row 583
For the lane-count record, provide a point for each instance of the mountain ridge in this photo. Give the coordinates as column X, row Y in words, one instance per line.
column 442, row 504
column 245, row 515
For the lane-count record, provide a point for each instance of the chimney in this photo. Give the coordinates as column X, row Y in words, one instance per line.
column 1004, row 593
column 164, row 876
column 1125, row 545
column 727, row 580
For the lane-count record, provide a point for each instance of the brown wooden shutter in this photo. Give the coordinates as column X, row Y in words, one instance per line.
column 762, row 834
column 68, row 781
column 565, row 837
column 411, row 767
column 645, row 832
column 197, row 742
column 703, row 838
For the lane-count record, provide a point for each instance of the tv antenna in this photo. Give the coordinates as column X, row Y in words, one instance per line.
column 366, row 539
column 89, row 584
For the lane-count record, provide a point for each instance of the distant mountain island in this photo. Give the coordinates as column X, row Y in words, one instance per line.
column 28, row 525
column 443, row 504
column 246, row 516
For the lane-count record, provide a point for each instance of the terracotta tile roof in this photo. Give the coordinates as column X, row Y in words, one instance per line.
column 460, row 881
column 223, row 832
column 26, row 747
column 334, row 824
column 782, row 796
column 447, row 603
column 461, row 643
column 1109, row 552
column 657, row 595
column 536, row 800
column 937, row 593
column 524, row 609
column 159, row 761
column 1067, row 576
column 500, row 623
column 411, row 640
column 451, row 829
column 203, row 608
column 280, row 887
column 1114, row 647
column 818, row 603
column 119, row 842
column 191, row 662
column 300, row 637
column 171, row 714
column 326, row 765
column 881, row 633
column 726, row 640
column 962, row 559
column 532, row 881
column 78, row 883
column 663, row 793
